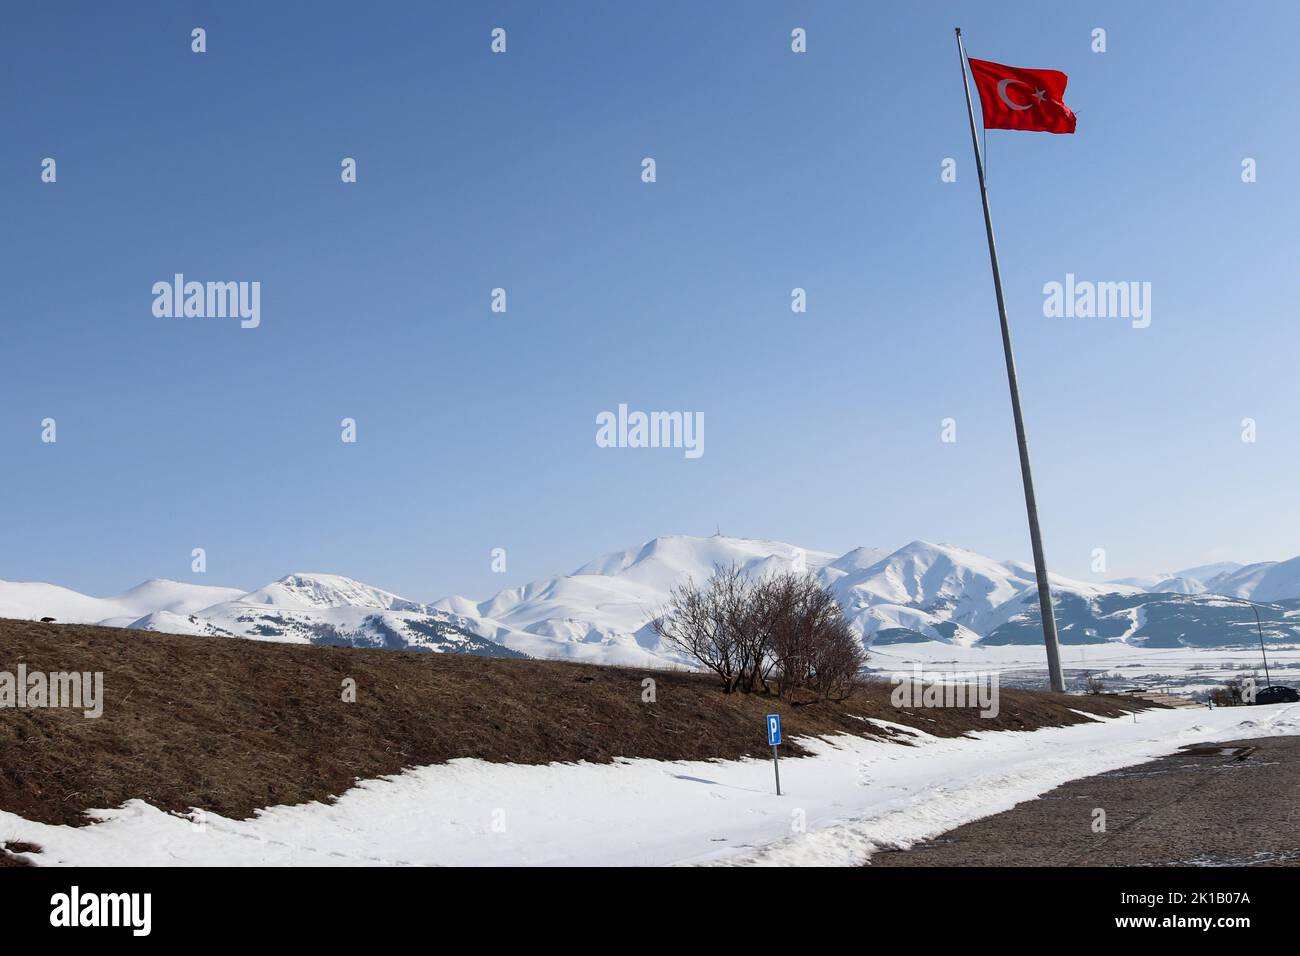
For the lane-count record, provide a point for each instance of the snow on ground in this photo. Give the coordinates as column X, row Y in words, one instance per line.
column 1118, row 660
column 853, row 796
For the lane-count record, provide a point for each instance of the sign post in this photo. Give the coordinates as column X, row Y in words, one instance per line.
column 774, row 740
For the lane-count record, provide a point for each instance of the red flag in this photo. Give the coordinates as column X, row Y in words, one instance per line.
column 1015, row 98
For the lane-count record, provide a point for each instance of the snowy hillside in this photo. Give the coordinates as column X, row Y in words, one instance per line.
column 593, row 814
column 330, row 626
column 34, row 600
column 330, row 609
column 1266, row 581
column 326, row 590
column 602, row 611
column 927, row 591
column 299, row 608
column 921, row 592
column 1279, row 582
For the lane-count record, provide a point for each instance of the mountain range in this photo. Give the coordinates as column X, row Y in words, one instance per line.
column 602, row 611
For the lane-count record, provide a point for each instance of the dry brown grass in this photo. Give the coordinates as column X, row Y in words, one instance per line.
column 232, row 725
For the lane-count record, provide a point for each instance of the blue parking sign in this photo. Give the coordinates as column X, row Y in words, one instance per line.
column 773, row 730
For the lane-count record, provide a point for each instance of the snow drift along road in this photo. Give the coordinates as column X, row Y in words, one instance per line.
column 852, row 797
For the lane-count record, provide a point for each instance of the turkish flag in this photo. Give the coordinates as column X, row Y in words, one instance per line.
column 1016, row 98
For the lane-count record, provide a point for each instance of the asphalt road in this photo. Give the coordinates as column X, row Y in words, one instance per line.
column 1206, row 805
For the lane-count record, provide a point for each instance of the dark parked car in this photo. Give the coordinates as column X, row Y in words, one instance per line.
column 1277, row 695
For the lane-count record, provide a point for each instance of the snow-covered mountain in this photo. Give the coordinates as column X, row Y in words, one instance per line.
column 1270, row 581
column 1265, row 581
column 34, row 600
column 299, row 608
column 921, row 592
column 1175, row 581
column 326, row 590
column 1149, row 619
column 929, row 591
column 602, row 611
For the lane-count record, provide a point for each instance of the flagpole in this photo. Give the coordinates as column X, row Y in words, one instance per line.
column 1031, row 506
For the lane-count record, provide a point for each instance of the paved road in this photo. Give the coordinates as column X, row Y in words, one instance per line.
column 1205, row 805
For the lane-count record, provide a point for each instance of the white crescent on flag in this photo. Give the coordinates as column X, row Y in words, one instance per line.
column 1002, row 93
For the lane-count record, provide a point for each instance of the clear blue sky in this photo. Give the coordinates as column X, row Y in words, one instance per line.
column 775, row 170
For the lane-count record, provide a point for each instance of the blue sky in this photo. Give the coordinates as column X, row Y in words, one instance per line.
column 775, row 170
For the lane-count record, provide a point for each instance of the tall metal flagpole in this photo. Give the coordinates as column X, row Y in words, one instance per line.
column 1035, row 537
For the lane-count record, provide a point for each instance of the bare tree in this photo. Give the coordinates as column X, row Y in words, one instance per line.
column 813, row 647
column 795, row 636
column 836, row 656
column 760, row 620
column 786, row 626
column 701, row 621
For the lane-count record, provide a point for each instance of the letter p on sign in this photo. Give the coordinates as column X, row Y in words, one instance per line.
column 773, row 730
column 774, row 740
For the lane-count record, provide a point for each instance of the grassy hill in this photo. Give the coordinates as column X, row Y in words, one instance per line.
column 230, row 725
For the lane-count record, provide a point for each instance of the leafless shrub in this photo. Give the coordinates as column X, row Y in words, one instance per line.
column 1096, row 684
column 701, row 622
column 813, row 647
column 1224, row 696
column 1232, row 692
column 785, row 626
